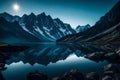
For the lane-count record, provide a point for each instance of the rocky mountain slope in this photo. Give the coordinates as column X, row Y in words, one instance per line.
column 105, row 30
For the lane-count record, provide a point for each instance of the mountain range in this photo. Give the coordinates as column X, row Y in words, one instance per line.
column 43, row 28
column 106, row 30
column 82, row 28
column 32, row 28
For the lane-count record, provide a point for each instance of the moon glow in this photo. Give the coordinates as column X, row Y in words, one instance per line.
column 16, row 7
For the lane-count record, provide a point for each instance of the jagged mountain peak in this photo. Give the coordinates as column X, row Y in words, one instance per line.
column 32, row 14
column 24, row 15
column 87, row 24
column 58, row 20
column 41, row 26
column 7, row 16
column 5, row 13
column 42, row 14
column 83, row 25
column 80, row 28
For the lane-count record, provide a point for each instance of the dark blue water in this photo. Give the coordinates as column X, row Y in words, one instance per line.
column 52, row 59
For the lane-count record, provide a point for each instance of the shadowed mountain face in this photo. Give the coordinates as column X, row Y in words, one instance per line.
column 37, row 28
column 105, row 30
column 13, row 32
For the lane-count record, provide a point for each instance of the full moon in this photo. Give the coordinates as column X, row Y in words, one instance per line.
column 16, row 7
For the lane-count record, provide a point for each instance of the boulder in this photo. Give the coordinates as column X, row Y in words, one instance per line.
column 56, row 78
column 72, row 75
column 37, row 76
column 107, row 78
column 96, row 56
column 92, row 76
column 117, row 76
column 112, row 57
column 112, row 67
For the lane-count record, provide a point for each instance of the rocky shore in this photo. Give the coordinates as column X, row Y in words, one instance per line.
column 110, row 72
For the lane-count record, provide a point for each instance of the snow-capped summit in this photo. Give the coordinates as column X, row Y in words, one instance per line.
column 41, row 26
column 82, row 28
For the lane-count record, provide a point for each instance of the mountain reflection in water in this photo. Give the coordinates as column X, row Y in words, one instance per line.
column 52, row 59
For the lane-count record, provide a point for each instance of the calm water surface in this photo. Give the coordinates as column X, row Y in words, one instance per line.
column 52, row 59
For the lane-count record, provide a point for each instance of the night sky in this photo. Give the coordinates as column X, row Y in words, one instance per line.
column 74, row 12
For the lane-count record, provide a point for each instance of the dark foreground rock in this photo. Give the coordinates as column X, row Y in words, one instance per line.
column 74, row 74
column 112, row 57
column 107, row 78
column 96, row 56
column 110, row 72
column 92, row 76
column 37, row 76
